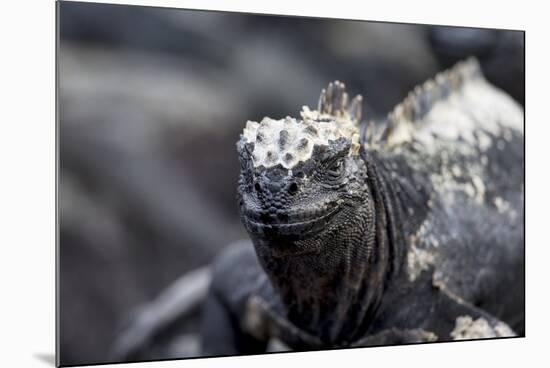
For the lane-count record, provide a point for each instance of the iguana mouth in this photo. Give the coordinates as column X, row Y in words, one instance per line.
column 285, row 224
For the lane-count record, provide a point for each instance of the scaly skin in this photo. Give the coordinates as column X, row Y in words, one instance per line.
column 415, row 236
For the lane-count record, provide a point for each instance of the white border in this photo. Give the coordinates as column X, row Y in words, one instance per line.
column 27, row 185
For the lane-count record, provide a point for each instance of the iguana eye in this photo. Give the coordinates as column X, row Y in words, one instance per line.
column 336, row 168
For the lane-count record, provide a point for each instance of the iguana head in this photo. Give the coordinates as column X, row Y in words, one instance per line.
column 301, row 178
column 315, row 215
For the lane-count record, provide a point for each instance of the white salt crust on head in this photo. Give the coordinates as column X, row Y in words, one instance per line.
column 288, row 141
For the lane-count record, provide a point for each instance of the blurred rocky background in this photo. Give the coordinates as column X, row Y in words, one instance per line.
column 151, row 103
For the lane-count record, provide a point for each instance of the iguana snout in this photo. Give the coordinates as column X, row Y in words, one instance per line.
column 279, row 205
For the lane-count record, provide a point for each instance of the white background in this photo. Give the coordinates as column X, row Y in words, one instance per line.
column 27, row 184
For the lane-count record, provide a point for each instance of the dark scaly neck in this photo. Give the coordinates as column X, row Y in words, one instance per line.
column 390, row 210
column 388, row 249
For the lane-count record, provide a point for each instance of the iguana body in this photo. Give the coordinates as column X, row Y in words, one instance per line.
column 410, row 232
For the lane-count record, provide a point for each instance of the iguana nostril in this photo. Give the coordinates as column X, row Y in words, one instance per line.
column 257, row 187
column 293, row 188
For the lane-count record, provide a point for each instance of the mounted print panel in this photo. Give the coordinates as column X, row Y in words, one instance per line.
column 236, row 184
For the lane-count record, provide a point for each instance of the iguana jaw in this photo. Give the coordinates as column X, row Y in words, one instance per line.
column 289, row 225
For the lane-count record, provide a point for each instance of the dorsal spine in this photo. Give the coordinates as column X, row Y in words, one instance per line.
column 422, row 98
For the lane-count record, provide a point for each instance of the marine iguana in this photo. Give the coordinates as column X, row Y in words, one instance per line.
column 408, row 230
